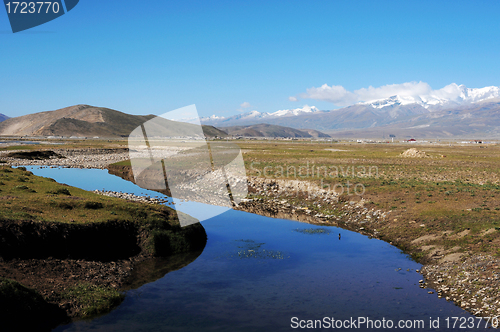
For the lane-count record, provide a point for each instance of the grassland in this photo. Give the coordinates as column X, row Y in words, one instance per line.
column 24, row 309
column 28, row 197
column 452, row 193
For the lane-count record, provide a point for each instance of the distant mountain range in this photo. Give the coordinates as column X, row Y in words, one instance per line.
column 451, row 96
column 453, row 112
column 255, row 117
column 267, row 130
column 479, row 120
column 84, row 121
column 462, row 112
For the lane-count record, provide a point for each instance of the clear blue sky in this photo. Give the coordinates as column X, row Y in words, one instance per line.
column 150, row 57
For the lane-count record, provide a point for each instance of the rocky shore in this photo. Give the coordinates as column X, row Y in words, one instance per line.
column 303, row 201
column 74, row 158
column 131, row 197
column 473, row 283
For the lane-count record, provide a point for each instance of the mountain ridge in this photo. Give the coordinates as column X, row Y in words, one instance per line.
column 452, row 111
column 82, row 121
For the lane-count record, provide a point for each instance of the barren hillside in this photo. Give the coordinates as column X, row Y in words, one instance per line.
column 80, row 120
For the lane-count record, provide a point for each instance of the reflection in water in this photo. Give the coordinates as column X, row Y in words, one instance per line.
column 156, row 268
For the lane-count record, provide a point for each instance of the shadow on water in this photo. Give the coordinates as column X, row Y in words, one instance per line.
column 156, row 268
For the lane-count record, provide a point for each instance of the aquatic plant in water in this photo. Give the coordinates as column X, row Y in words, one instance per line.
column 252, row 249
column 312, row 230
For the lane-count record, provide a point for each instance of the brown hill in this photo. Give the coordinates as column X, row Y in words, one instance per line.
column 80, row 120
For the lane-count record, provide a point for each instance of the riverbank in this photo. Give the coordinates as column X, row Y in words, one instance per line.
column 441, row 205
column 75, row 250
column 469, row 279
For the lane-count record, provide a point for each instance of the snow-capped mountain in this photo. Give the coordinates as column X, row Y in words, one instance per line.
column 451, row 111
column 450, row 96
column 254, row 116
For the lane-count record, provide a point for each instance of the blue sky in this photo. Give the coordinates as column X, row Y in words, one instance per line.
column 150, row 57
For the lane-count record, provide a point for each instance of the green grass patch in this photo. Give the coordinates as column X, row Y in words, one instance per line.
column 45, row 199
column 60, row 191
column 93, row 300
column 48, row 201
column 15, row 297
column 93, row 205
column 123, row 163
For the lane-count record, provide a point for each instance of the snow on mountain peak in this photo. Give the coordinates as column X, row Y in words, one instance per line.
column 296, row 111
column 254, row 113
column 393, row 100
column 450, row 95
column 258, row 115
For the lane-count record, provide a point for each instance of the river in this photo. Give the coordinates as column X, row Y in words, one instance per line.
column 263, row 274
